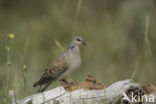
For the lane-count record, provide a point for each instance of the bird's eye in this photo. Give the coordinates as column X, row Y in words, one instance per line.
column 78, row 39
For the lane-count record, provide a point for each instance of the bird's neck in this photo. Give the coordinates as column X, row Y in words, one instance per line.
column 75, row 48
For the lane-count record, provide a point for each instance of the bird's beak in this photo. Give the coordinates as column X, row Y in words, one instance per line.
column 84, row 43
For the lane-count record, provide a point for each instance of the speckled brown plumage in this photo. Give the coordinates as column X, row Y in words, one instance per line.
column 53, row 71
column 55, row 68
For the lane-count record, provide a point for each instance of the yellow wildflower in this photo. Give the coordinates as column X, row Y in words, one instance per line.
column 7, row 48
column 11, row 36
column 24, row 66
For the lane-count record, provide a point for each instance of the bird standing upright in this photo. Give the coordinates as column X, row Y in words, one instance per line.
column 62, row 66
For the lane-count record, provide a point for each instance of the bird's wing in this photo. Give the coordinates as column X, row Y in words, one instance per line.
column 53, row 71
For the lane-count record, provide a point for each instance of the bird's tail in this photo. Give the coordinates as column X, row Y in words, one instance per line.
column 36, row 84
column 44, row 86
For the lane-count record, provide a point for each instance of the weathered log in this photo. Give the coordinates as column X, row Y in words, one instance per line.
column 59, row 95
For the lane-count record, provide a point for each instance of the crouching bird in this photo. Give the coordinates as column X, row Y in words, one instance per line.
column 62, row 66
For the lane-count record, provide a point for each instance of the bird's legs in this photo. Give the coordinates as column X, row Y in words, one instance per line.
column 66, row 84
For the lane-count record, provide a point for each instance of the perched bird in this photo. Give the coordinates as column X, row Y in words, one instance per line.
column 62, row 66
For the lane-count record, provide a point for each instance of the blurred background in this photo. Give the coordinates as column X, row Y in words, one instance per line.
column 120, row 37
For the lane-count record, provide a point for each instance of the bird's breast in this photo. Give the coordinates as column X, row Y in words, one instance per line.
column 73, row 62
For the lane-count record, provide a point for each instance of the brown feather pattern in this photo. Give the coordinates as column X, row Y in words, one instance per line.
column 53, row 71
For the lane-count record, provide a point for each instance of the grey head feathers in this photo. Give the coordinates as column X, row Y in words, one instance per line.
column 77, row 41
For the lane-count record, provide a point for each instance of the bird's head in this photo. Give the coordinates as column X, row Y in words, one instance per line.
column 78, row 41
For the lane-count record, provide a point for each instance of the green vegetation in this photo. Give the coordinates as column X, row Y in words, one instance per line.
column 120, row 37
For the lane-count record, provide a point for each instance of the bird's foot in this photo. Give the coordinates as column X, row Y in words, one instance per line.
column 66, row 84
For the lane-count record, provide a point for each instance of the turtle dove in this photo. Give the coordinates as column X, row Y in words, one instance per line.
column 62, row 66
